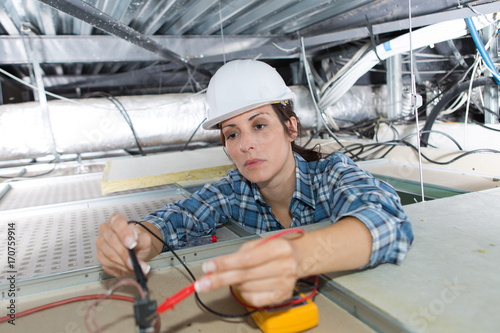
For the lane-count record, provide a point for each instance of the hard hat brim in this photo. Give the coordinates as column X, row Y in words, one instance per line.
column 213, row 124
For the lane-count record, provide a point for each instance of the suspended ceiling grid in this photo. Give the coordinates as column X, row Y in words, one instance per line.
column 76, row 56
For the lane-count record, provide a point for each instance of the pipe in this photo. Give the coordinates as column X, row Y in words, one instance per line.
column 482, row 50
column 95, row 124
column 432, row 34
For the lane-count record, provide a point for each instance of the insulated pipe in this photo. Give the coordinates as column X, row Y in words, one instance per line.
column 95, row 124
column 395, row 86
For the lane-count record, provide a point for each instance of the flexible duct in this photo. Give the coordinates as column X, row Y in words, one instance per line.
column 359, row 104
column 95, row 124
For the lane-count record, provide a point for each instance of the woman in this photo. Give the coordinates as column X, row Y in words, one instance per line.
column 276, row 185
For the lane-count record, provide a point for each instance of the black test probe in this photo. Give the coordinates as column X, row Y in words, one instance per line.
column 144, row 309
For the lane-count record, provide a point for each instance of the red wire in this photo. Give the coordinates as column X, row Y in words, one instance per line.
column 177, row 298
column 282, row 233
column 169, row 303
column 67, row 301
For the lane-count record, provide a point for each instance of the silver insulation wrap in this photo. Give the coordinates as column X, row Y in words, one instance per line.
column 96, row 124
column 360, row 103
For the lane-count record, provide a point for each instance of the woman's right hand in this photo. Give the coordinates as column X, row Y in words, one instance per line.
column 115, row 237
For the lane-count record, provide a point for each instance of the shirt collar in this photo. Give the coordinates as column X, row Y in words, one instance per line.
column 303, row 184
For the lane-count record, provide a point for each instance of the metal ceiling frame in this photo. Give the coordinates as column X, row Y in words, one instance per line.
column 203, row 49
column 93, row 16
column 73, row 52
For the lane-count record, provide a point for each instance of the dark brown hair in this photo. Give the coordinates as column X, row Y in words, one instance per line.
column 285, row 111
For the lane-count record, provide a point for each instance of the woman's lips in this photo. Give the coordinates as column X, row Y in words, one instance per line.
column 253, row 163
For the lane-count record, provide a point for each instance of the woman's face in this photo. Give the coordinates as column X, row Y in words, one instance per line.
column 259, row 146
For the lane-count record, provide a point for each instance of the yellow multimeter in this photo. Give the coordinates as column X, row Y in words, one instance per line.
column 289, row 319
column 295, row 318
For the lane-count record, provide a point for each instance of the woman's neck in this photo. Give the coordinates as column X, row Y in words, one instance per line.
column 279, row 193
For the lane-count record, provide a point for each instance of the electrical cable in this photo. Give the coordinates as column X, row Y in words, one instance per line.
column 90, row 313
column 125, row 115
column 483, row 125
column 316, row 107
column 203, row 305
column 446, row 98
column 431, row 34
column 391, row 144
column 172, row 301
column 67, row 301
column 480, row 47
column 470, row 152
column 192, row 135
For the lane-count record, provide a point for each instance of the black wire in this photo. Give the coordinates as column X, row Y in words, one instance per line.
column 439, row 132
column 470, row 152
column 392, row 144
column 224, row 315
column 446, row 98
column 483, row 125
column 125, row 115
column 192, row 135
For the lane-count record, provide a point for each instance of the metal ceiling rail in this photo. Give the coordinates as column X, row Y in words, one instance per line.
column 291, row 48
column 100, row 20
column 104, row 48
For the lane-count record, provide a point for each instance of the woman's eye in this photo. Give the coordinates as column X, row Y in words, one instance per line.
column 230, row 136
column 260, row 126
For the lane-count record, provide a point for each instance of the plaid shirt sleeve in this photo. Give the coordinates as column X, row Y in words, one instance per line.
column 375, row 203
column 195, row 216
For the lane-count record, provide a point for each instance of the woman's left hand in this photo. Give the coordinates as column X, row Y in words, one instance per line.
column 263, row 273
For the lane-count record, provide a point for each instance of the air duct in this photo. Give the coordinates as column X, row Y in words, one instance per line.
column 95, row 124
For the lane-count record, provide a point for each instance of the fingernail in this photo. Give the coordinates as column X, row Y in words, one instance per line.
column 129, row 263
column 130, row 242
column 112, row 219
column 202, row 285
column 131, row 227
column 145, row 268
column 208, row 267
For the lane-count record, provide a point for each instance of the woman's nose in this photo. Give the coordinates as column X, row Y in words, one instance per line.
column 247, row 142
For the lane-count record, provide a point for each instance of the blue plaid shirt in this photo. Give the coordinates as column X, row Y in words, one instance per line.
column 328, row 189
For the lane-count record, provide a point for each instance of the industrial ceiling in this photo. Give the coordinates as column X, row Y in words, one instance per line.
column 130, row 47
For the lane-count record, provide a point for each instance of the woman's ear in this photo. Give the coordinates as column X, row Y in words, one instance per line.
column 291, row 124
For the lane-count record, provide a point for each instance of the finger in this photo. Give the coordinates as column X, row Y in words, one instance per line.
column 111, row 252
column 143, row 248
column 114, row 271
column 282, row 269
column 250, row 256
column 126, row 233
column 111, row 267
column 275, row 282
column 267, row 297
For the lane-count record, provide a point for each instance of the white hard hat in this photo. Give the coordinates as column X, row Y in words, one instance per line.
column 240, row 86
